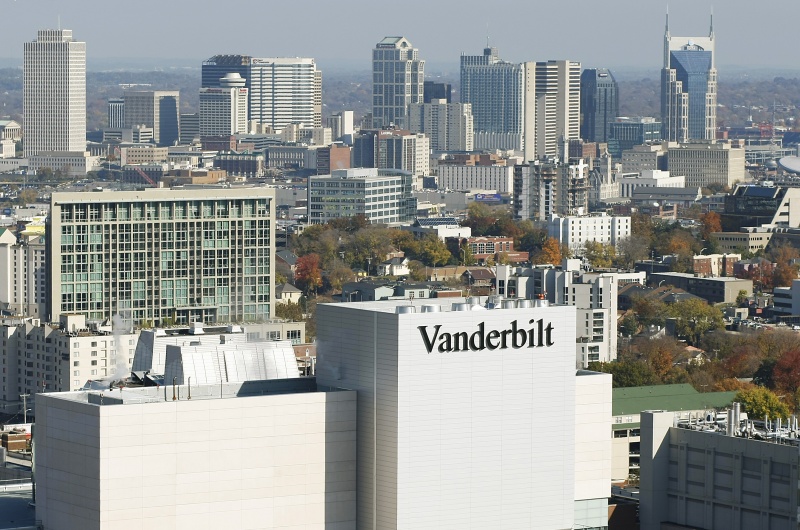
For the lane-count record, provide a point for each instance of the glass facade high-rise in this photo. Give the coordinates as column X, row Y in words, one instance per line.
column 502, row 99
column 689, row 88
column 599, row 103
column 162, row 256
column 397, row 81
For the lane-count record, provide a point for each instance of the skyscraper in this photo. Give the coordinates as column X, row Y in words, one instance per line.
column 116, row 113
column 502, row 98
column 397, row 81
column 223, row 110
column 159, row 109
column 54, row 93
column 599, row 104
column 689, row 88
column 282, row 90
column 558, row 105
column 448, row 125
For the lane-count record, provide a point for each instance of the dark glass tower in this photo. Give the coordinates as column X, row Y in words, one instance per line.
column 599, row 104
column 689, row 88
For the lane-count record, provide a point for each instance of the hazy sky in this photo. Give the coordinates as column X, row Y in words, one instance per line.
column 613, row 33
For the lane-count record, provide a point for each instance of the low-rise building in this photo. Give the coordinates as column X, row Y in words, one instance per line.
column 649, row 178
column 715, row 264
column 708, row 162
column 72, row 164
column 729, row 472
column 720, row 290
column 750, row 239
column 628, row 403
column 786, row 300
column 478, row 177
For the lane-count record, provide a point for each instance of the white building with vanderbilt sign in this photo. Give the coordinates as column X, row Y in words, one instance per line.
column 453, row 404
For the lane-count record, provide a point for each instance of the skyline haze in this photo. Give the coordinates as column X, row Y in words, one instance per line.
column 617, row 34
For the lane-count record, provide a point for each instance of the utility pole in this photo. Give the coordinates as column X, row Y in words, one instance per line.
column 24, row 407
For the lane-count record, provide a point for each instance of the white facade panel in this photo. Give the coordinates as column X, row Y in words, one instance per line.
column 453, row 439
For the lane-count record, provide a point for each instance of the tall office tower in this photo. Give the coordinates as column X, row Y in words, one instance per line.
column 190, row 128
column 558, row 105
column 599, row 104
column 116, row 113
column 397, row 81
column 448, row 125
column 281, row 91
column 432, row 90
column 223, row 110
column 502, row 99
column 626, row 132
column 54, row 93
column 162, row 256
column 689, row 88
column 159, row 109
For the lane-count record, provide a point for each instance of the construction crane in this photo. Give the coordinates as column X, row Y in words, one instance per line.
column 146, row 177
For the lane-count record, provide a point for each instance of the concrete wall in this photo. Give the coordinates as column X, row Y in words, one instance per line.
column 271, row 461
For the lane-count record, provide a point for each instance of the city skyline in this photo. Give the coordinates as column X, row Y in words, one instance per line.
column 636, row 46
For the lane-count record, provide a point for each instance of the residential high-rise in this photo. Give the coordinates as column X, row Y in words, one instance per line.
column 159, row 109
column 599, row 104
column 281, row 90
column 162, row 256
column 22, row 271
column 223, row 110
column 392, row 149
column 502, row 99
column 689, row 88
column 341, row 124
column 448, row 125
column 116, row 113
column 54, row 93
column 558, row 105
column 397, row 81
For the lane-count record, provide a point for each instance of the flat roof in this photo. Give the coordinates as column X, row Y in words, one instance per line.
column 152, row 394
column 672, row 398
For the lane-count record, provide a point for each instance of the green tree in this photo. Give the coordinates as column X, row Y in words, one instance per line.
column 741, row 298
column 629, row 325
column 290, row 311
column 598, row 254
column 627, row 373
column 760, row 402
column 649, row 311
column 694, row 317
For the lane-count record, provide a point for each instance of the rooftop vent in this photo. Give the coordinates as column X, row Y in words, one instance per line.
column 403, row 309
column 431, row 309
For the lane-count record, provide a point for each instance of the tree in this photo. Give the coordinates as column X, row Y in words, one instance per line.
column 630, row 250
column 598, row 254
column 629, row 325
column 627, row 373
column 434, row 251
column 786, row 372
column 308, row 273
column 760, row 402
column 741, row 298
column 694, row 317
column 649, row 311
column 339, row 276
column 28, row 196
column 550, row 252
column 289, row 311
column 763, row 376
column 711, row 223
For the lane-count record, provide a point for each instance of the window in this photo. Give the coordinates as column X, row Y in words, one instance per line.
column 76, row 373
column 76, row 363
column 94, row 363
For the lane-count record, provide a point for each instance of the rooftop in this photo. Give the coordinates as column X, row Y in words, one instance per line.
column 167, row 393
column 673, row 398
